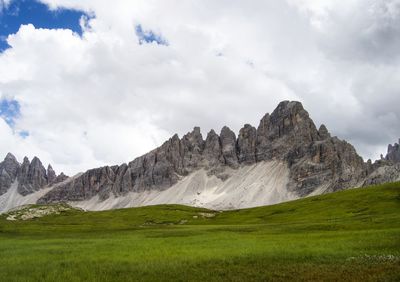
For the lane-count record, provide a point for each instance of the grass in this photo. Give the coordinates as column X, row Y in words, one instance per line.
column 352, row 235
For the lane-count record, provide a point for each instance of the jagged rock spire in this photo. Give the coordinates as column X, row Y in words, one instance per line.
column 323, row 132
column 51, row 175
column 393, row 152
column 228, row 147
column 31, row 176
column 212, row 150
column 246, row 144
column 11, row 165
column 8, row 172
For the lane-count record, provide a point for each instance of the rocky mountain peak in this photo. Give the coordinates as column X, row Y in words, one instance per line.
column 26, row 161
column 194, row 137
column 10, row 156
column 228, row 147
column 290, row 118
column 8, row 172
column 31, row 176
column 51, row 174
column 323, row 132
column 212, row 149
column 10, row 165
column 246, row 144
column 393, row 152
column 36, row 161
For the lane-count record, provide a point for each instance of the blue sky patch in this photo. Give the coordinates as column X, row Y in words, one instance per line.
column 29, row 11
column 24, row 134
column 9, row 111
column 148, row 36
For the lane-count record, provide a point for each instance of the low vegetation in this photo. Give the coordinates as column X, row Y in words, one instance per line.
column 352, row 235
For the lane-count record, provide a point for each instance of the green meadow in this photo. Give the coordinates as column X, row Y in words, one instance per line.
column 351, row 235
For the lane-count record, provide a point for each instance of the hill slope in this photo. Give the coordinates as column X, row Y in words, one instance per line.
column 351, row 235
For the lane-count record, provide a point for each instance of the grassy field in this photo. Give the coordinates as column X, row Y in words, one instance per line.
column 352, row 235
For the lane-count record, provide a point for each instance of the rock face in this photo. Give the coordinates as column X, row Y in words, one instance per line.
column 387, row 169
column 51, row 175
column 246, row 144
column 228, row 147
column 317, row 162
column 213, row 151
column 9, row 169
column 393, row 153
column 31, row 176
column 383, row 172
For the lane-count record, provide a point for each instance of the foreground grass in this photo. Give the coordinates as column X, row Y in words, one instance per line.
column 352, row 235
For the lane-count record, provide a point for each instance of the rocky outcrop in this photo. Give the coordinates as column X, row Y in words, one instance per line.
column 9, row 169
column 285, row 132
column 382, row 171
column 213, row 151
column 228, row 147
column 317, row 161
column 59, row 178
column 387, row 169
column 393, row 153
column 246, row 144
column 31, row 176
column 51, row 175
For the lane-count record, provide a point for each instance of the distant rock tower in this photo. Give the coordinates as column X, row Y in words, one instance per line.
column 393, row 153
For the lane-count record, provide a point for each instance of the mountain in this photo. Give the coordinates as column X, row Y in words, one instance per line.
column 19, row 182
column 286, row 157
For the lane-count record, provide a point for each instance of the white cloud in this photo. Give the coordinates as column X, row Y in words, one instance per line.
column 103, row 99
column 4, row 4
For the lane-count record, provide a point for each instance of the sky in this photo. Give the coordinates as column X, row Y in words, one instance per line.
column 91, row 83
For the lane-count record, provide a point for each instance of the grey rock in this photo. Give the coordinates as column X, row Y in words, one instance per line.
column 316, row 159
column 51, row 175
column 323, row 132
column 31, row 176
column 59, row 178
column 263, row 143
column 213, row 151
column 228, row 146
column 393, row 153
column 8, row 172
column 332, row 163
column 387, row 169
column 283, row 134
column 382, row 173
column 246, row 144
column 11, row 165
column 94, row 182
column 193, row 146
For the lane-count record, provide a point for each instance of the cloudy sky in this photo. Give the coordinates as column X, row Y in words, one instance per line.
column 96, row 82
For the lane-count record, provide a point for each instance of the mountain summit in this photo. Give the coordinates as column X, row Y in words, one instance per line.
column 284, row 158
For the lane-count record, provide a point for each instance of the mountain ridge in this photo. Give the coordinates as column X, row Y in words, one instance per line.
column 31, row 175
column 315, row 162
